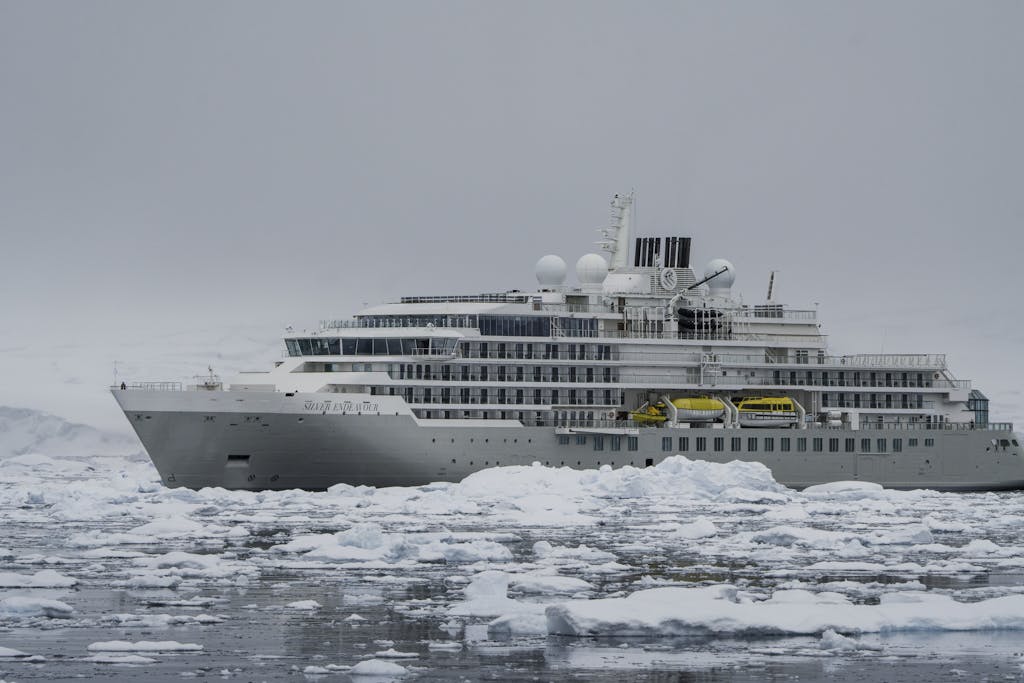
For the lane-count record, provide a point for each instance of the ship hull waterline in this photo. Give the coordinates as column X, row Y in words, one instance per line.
column 198, row 445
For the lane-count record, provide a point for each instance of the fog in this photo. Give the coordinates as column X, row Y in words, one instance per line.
column 167, row 167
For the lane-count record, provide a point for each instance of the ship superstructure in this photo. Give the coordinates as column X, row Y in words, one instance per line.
column 645, row 358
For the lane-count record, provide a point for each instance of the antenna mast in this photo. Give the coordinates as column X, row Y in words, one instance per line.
column 615, row 238
column 771, row 285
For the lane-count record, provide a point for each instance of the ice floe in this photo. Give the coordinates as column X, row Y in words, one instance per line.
column 724, row 610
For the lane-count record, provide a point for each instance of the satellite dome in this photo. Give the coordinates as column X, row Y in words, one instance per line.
column 591, row 269
column 550, row 271
column 722, row 283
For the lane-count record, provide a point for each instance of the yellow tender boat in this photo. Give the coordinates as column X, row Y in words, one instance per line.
column 767, row 411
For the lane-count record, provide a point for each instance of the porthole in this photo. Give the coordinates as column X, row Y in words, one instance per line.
column 301, row 419
column 433, row 440
column 453, row 461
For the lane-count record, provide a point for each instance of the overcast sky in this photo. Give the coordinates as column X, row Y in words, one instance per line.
column 191, row 164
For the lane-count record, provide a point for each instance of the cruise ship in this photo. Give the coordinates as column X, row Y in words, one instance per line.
column 643, row 359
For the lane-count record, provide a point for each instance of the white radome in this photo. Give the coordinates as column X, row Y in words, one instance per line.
column 591, row 269
column 724, row 281
column 550, row 270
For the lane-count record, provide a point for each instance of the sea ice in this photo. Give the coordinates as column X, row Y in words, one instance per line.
column 46, row 578
column 19, row 606
column 377, row 667
column 143, row 646
column 723, row 610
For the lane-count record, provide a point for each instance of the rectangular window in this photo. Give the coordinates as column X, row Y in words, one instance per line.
column 666, row 443
column 736, row 444
column 632, row 443
column 563, row 439
column 684, row 444
column 833, row 445
column 912, row 443
column 801, row 444
column 719, row 444
column 752, row 444
column 865, row 445
column 769, row 444
column 881, row 445
column 897, row 445
column 851, row 445
column 818, row 443
column 702, row 443
column 581, row 440
column 928, row 443
column 598, row 443
column 784, row 444
column 616, row 443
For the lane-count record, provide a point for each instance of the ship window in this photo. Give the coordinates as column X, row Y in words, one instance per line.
column 881, row 445
column 801, row 444
column 616, row 443
column 719, row 444
column 598, row 443
column 752, row 444
column 305, row 347
column 897, row 445
column 818, row 443
column 563, row 439
column 364, row 347
column 833, row 445
column 928, row 443
column 632, row 443
column 702, row 443
column 580, row 439
column 666, row 443
column 736, row 444
column 865, row 445
column 1015, row 442
column 784, row 444
column 293, row 347
column 912, row 443
column 769, row 444
column 851, row 445
column 394, row 347
column 684, row 444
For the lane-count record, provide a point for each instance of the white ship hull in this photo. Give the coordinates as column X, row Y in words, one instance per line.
column 270, row 440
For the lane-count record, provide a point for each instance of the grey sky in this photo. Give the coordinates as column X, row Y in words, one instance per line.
column 193, row 163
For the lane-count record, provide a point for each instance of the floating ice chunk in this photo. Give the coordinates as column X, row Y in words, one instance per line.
column 119, row 659
column 981, row 546
column 846, row 490
column 9, row 652
column 520, row 624
column 46, row 578
column 143, row 646
column 806, row 537
column 702, row 527
column 853, row 549
column 721, row 610
column 377, row 667
column 316, row 671
column 444, row 646
column 392, row 653
column 304, row 604
column 545, row 550
column 34, row 607
column 837, row 642
column 354, row 617
column 911, row 535
column 535, row 582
